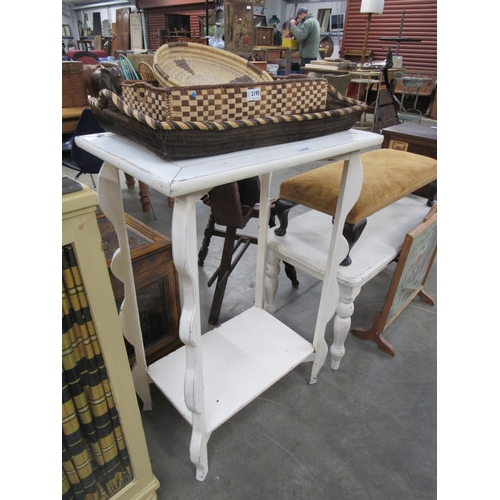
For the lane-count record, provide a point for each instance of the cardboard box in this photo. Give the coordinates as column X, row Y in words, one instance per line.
column 290, row 43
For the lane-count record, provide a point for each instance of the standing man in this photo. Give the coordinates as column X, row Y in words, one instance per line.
column 307, row 35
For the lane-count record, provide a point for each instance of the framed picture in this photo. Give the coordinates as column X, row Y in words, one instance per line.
column 238, row 28
column 324, row 19
column 177, row 25
column 259, row 20
column 417, row 255
column 66, row 30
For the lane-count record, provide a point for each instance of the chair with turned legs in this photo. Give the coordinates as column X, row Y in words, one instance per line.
column 375, row 227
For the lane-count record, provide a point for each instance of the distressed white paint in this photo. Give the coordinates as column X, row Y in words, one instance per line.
column 215, row 375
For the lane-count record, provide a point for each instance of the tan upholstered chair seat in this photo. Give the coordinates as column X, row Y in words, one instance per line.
column 388, row 175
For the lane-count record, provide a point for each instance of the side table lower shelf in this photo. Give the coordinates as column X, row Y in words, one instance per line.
column 242, row 358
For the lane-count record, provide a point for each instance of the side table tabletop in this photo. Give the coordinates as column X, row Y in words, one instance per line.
column 214, row 375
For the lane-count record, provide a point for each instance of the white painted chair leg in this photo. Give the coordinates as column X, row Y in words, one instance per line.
column 271, row 280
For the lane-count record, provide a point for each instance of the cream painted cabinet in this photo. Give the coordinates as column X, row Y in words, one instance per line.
column 79, row 228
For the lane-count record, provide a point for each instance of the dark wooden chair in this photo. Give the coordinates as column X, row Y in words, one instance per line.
column 86, row 163
column 232, row 205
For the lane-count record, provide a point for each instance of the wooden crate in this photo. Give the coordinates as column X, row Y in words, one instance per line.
column 73, row 84
column 264, row 35
column 155, row 281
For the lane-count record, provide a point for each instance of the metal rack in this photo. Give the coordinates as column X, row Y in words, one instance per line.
column 411, row 85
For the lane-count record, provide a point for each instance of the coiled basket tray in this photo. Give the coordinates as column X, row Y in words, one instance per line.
column 185, row 64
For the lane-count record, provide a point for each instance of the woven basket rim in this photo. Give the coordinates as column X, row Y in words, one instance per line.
column 149, row 84
column 182, row 143
column 106, row 97
column 211, row 64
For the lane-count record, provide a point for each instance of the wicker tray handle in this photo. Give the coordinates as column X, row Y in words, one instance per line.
column 108, row 99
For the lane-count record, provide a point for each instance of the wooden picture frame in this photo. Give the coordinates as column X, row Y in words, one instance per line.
column 66, row 30
column 324, row 20
column 415, row 261
column 239, row 27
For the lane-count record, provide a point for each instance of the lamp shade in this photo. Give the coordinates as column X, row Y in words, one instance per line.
column 372, row 6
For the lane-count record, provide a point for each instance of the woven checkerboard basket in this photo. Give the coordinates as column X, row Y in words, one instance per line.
column 175, row 140
column 227, row 102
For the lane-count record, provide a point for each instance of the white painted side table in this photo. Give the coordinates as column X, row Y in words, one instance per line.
column 306, row 246
column 215, row 375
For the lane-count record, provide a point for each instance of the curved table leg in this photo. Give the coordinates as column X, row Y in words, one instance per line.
column 184, row 247
column 350, row 188
column 110, row 199
column 342, row 323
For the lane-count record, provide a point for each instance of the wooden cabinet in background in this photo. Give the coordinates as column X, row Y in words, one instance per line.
column 418, row 139
column 411, row 137
column 121, row 40
column 155, row 282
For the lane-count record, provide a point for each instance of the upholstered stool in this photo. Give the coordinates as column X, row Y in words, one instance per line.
column 388, row 175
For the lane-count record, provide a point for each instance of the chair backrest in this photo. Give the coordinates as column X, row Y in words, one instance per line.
column 87, row 124
column 340, row 82
column 146, row 72
column 127, row 68
column 85, row 57
column 232, row 204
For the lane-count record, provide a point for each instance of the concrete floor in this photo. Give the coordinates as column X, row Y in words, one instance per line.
column 365, row 431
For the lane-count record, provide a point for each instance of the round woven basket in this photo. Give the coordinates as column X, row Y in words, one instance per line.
column 184, row 64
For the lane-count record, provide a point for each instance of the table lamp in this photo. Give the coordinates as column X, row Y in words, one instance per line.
column 369, row 7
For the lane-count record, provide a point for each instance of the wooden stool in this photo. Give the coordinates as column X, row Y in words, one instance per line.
column 388, row 175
